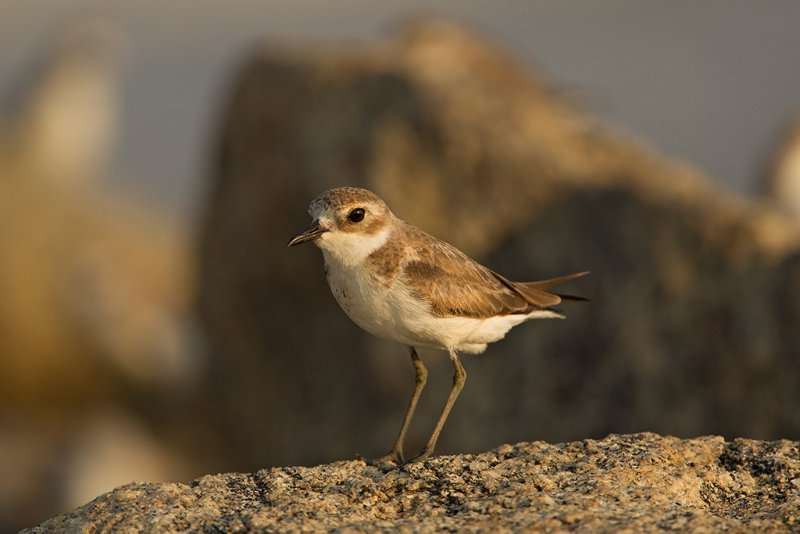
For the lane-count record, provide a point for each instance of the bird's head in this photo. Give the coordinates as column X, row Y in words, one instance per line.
column 349, row 223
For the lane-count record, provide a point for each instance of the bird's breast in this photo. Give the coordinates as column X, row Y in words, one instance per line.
column 384, row 310
column 361, row 299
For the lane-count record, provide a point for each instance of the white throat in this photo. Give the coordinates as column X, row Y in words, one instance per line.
column 350, row 249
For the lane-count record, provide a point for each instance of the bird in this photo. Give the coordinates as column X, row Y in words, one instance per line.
column 403, row 285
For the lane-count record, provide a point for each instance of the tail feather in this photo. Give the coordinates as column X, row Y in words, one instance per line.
column 535, row 292
column 547, row 284
column 571, row 298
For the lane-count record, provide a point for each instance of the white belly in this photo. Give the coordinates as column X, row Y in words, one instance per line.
column 395, row 314
column 387, row 313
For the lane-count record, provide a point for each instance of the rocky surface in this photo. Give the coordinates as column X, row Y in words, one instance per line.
column 640, row 483
column 691, row 328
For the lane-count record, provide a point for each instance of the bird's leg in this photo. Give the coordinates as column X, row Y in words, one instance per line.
column 459, row 378
column 396, row 454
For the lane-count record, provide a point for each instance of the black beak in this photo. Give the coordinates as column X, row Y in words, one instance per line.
column 309, row 234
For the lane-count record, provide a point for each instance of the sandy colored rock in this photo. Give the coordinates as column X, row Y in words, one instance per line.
column 96, row 291
column 781, row 180
column 642, row 482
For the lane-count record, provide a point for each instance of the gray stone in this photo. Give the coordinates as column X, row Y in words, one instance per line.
column 635, row 483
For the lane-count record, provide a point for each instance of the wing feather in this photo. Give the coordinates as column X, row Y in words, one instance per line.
column 455, row 285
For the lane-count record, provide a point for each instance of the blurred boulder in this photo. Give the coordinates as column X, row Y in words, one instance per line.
column 61, row 121
column 694, row 294
column 96, row 297
column 95, row 300
column 112, row 448
column 95, row 311
column 781, row 182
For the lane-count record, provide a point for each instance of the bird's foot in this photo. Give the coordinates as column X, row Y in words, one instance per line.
column 419, row 457
column 395, row 457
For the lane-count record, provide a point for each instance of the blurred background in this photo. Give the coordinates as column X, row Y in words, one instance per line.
column 154, row 159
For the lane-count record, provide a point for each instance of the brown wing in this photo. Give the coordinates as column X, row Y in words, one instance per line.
column 456, row 285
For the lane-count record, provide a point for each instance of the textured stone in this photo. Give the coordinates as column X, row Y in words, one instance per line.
column 638, row 483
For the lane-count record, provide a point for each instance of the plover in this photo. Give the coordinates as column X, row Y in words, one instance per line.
column 401, row 284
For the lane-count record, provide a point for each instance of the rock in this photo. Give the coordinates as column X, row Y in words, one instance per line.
column 62, row 125
column 691, row 328
column 93, row 283
column 96, row 295
column 781, row 182
column 641, row 482
column 95, row 315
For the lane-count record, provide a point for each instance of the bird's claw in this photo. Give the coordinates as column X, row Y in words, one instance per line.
column 419, row 457
column 393, row 457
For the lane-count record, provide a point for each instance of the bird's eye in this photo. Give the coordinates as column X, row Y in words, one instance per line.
column 357, row 215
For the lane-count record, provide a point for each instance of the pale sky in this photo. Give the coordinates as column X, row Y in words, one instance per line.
column 708, row 82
